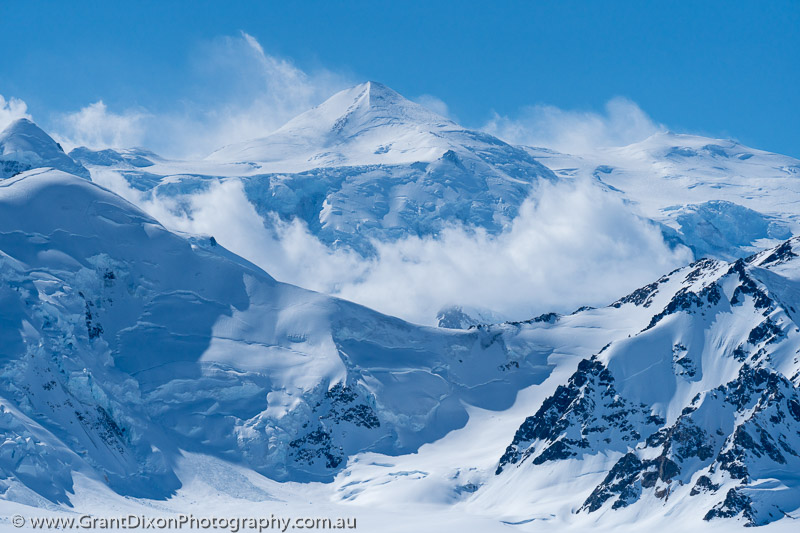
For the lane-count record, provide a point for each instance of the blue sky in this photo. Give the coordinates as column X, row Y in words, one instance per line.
column 729, row 69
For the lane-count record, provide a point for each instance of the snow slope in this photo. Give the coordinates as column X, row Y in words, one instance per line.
column 686, row 414
column 696, row 414
column 369, row 124
column 23, row 146
column 148, row 371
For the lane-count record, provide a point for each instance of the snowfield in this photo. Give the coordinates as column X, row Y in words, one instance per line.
column 151, row 372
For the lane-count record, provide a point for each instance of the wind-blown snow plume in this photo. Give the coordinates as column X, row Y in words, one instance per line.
column 435, row 104
column 11, row 110
column 237, row 92
column 95, row 126
column 575, row 132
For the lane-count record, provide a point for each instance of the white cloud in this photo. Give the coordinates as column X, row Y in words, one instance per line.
column 571, row 245
column 236, row 92
column 11, row 110
column 575, row 132
column 97, row 127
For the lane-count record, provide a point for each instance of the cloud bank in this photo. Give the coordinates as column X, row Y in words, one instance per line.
column 571, row 245
column 575, row 132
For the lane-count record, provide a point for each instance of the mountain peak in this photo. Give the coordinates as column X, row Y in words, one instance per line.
column 366, row 106
column 23, row 127
column 378, row 90
column 24, row 146
column 365, row 124
column 378, row 95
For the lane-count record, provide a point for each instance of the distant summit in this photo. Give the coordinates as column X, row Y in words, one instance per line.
column 365, row 165
column 25, row 146
column 366, row 124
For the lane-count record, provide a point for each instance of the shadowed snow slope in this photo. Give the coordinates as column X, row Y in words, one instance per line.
column 123, row 342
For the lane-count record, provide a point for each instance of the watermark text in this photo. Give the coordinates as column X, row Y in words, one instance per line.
column 183, row 521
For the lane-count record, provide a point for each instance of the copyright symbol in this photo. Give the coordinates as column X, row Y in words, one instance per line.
column 18, row 521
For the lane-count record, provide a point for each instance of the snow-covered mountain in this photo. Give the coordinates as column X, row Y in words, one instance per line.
column 370, row 164
column 721, row 198
column 127, row 347
column 366, row 164
column 370, row 174
column 369, row 124
column 157, row 371
column 368, row 170
column 124, row 343
column 697, row 412
column 23, row 146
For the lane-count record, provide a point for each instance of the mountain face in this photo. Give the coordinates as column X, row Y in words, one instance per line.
column 699, row 409
column 369, row 164
column 23, row 146
column 369, row 124
column 126, row 346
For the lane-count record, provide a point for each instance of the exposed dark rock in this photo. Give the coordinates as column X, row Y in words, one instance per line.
column 621, row 481
column 703, row 484
column 340, row 407
column 682, row 364
column 748, row 287
column 317, row 445
column 547, row 318
column 767, row 332
column 781, row 254
column 590, row 405
column 642, row 296
column 686, row 300
column 735, row 504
